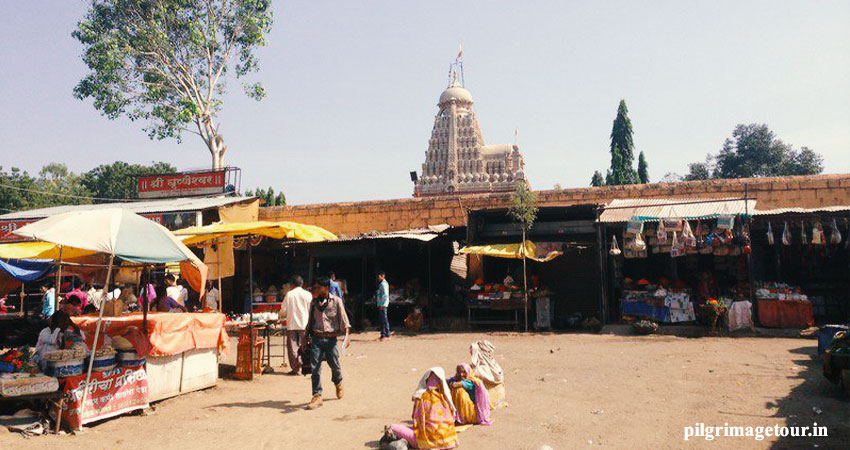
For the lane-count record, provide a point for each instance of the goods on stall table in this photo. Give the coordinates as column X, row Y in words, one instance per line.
column 64, row 363
column 104, row 359
column 20, row 384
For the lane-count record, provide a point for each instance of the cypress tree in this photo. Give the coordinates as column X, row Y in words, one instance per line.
column 642, row 170
column 622, row 148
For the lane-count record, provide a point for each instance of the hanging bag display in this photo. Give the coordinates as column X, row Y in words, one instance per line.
column 786, row 235
column 803, row 238
column 769, row 234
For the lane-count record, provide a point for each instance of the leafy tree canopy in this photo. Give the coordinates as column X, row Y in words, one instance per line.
column 597, row 179
column 165, row 61
column 523, row 208
column 755, row 151
column 118, row 180
column 56, row 185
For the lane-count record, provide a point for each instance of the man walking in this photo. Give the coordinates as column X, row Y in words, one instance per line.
column 382, row 298
column 327, row 321
column 296, row 307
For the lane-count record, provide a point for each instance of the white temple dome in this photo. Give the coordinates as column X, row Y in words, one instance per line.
column 455, row 92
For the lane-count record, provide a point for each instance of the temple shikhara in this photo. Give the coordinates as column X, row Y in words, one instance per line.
column 457, row 160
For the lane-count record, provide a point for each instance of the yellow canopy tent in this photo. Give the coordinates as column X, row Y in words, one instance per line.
column 40, row 250
column 511, row 251
column 274, row 230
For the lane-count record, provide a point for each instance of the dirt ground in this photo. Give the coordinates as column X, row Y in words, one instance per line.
column 564, row 390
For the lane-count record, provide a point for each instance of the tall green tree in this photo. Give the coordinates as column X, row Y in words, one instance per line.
column 118, row 180
column 622, row 148
column 597, row 179
column 643, row 169
column 166, row 61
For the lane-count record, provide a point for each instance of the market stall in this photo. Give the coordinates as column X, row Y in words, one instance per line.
column 801, row 261
column 680, row 261
column 508, row 296
column 121, row 236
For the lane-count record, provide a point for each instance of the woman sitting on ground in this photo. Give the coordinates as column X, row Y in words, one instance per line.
column 470, row 397
column 433, row 414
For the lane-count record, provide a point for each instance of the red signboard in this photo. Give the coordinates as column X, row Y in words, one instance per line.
column 111, row 393
column 8, row 226
column 181, row 184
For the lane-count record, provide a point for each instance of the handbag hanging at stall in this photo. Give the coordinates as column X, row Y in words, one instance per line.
column 676, row 250
column 661, row 233
column 615, row 250
column 834, row 234
column 786, row 235
column 769, row 234
column 818, row 237
column 803, row 238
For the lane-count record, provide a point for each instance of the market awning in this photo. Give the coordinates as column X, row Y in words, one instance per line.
column 27, row 270
column 39, row 250
column 802, row 211
column 653, row 209
column 513, row 251
column 121, row 233
column 274, row 230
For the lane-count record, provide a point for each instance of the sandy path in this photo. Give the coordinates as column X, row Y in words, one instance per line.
column 644, row 391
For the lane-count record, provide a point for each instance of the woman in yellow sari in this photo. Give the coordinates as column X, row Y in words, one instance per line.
column 470, row 397
column 433, row 415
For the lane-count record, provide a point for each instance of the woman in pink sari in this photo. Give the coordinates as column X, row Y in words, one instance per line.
column 433, row 414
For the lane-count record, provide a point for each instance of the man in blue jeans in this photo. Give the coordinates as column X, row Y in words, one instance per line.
column 326, row 322
column 382, row 298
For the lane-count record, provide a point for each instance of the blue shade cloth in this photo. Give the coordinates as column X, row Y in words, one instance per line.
column 27, row 270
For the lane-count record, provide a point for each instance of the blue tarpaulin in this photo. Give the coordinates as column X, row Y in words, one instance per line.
column 27, row 270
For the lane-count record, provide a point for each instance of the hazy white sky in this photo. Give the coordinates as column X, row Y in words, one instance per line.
column 353, row 85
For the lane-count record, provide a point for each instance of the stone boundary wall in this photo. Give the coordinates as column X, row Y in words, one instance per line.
column 352, row 218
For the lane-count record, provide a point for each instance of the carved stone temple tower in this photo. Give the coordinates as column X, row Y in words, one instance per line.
column 457, row 160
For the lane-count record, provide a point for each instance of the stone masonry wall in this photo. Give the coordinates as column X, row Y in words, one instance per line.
column 352, row 218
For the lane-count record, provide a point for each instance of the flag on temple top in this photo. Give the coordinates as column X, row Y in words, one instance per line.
column 460, row 52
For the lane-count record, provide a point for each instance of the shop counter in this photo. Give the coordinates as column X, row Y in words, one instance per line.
column 509, row 312
column 784, row 313
column 184, row 348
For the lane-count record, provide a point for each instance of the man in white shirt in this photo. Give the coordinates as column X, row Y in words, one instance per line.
column 296, row 307
column 177, row 293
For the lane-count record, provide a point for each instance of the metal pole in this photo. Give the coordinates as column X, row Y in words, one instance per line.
column 218, row 272
column 251, row 305
column 58, row 280
column 145, row 300
column 23, row 294
column 524, row 281
column 96, row 336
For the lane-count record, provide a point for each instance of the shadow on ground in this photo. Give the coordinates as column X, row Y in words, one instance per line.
column 814, row 400
column 285, row 406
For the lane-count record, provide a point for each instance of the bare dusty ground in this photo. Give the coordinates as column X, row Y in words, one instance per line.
column 564, row 390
